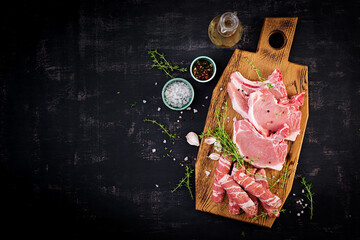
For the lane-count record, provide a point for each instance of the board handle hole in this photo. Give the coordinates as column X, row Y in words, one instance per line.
column 277, row 39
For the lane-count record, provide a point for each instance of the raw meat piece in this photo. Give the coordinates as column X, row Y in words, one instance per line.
column 251, row 172
column 254, row 188
column 260, row 177
column 266, row 152
column 222, row 168
column 278, row 88
column 269, row 114
column 238, row 101
column 234, row 208
column 238, row 195
column 218, row 192
column 240, row 88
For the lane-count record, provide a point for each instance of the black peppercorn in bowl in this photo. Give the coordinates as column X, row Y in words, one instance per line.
column 203, row 69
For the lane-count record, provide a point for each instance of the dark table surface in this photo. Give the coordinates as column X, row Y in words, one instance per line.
column 76, row 158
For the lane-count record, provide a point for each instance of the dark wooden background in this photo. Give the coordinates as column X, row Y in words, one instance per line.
column 76, row 159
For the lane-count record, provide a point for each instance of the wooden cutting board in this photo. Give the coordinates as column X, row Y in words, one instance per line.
column 295, row 77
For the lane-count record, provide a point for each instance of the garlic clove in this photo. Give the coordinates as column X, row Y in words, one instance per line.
column 214, row 156
column 210, row 140
column 193, row 139
column 217, row 146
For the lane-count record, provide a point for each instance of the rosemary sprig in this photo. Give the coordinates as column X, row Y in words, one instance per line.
column 185, row 181
column 162, row 126
column 160, row 62
column 269, row 85
column 309, row 195
column 228, row 148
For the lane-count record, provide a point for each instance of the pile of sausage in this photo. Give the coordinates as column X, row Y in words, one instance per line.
column 246, row 188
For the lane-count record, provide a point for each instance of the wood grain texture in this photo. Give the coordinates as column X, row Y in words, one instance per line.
column 295, row 77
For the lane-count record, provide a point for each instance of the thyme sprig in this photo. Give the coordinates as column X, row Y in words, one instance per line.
column 160, row 62
column 185, row 181
column 133, row 104
column 309, row 195
column 269, row 85
column 228, row 147
column 282, row 178
column 162, row 126
column 265, row 214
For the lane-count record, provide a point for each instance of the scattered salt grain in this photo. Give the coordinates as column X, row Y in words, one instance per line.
column 153, row 150
column 305, row 204
column 186, row 158
column 189, row 108
column 302, row 191
column 159, row 108
column 195, row 110
column 206, row 97
column 155, row 83
column 164, row 141
column 174, row 159
column 221, row 89
column 144, row 101
column 177, row 94
column 181, row 112
column 293, row 194
column 302, row 211
column 207, row 173
column 298, row 214
column 156, row 185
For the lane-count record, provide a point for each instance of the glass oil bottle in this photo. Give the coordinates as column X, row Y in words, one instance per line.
column 225, row 30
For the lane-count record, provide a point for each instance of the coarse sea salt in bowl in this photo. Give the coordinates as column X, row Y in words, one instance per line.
column 177, row 94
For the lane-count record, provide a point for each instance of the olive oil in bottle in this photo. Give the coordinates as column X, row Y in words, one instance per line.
column 225, row 30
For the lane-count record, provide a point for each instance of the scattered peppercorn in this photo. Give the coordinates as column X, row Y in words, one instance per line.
column 202, row 70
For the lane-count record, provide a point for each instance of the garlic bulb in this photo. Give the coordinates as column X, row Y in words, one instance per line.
column 217, row 146
column 192, row 138
column 214, row 156
column 210, row 140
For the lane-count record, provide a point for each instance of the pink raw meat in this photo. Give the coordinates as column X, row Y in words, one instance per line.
column 240, row 88
column 260, row 177
column 266, row 152
column 237, row 195
column 254, row 188
column 234, row 208
column 269, row 114
column 222, row 168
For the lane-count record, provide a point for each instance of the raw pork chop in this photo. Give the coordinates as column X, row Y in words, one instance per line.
column 268, row 114
column 266, row 152
column 240, row 88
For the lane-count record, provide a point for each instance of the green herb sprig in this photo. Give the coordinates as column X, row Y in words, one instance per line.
column 162, row 126
column 309, row 195
column 265, row 214
column 133, row 104
column 228, row 147
column 160, row 62
column 282, row 178
column 269, row 85
column 185, row 181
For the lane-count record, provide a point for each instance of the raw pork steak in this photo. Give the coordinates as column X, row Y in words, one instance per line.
column 266, row 152
column 268, row 114
column 240, row 88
